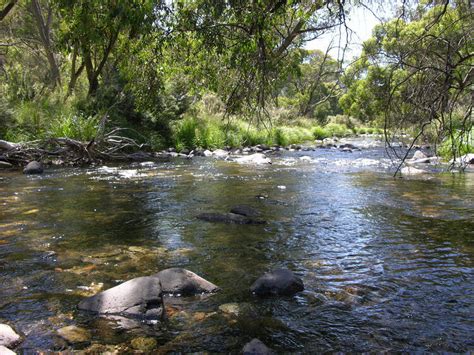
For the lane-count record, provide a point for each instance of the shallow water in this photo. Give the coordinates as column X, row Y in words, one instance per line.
column 388, row 264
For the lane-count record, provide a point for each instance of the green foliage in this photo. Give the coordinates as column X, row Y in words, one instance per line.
column 460, row 145
column 320, row 133
column 75, row 126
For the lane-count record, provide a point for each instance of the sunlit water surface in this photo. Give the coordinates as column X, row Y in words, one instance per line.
column 388, row 264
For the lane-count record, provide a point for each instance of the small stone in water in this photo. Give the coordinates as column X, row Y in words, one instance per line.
column 144, row 344
column 73, row 334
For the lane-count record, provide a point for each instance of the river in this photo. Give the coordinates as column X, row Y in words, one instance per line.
column 387, row 263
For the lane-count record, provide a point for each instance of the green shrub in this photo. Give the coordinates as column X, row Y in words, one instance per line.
column 337, row 130
column 185, row 134
column 463, row 147
column 320, row 133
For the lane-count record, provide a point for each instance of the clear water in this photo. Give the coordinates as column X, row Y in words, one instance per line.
column 388, row 264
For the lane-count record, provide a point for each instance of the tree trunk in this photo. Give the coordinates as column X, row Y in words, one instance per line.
column 44, row 32
column 4, row 12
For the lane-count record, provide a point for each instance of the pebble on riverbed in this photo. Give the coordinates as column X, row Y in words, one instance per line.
column 256, row 347
column 144, row 344
column 74, row 335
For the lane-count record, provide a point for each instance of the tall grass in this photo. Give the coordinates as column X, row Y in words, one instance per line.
column 211, row 132
column 78, row 127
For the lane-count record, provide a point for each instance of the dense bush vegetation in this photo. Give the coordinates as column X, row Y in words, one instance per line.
column 171, row 72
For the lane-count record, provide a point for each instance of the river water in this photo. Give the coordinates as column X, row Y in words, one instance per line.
column 387, row 263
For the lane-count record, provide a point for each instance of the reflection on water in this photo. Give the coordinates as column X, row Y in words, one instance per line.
column 387, row 263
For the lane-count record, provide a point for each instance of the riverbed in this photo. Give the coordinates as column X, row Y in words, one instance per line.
column 387, row 263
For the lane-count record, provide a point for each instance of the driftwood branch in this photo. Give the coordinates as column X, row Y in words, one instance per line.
column 67, row 151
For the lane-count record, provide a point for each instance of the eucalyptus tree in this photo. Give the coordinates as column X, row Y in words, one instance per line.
column 246, row 47
column 417, row 72
column 91, row 31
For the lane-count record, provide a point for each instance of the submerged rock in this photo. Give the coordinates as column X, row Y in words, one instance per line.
column 144, row 344
column 220, row 153
column 228, row 218
column 245, row 210
column 33, row 167
column 73, row 334
column 237, row 309
column 277, row 282
column 183, row 282
column 409, row 170
column 8, row 337
column 140, row 298
column 256, row 347
column 257, row 158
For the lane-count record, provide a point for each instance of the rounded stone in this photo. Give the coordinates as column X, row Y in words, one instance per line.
column 73, row 334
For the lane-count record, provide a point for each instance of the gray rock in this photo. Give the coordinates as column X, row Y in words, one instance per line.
column 4, row 145
column 207, row 153
column 277, row 282
column 183, row 282
column 139, row 298
column 245, row 210
column 347, row 145
column 33, row 167
column 220, row 153
column 5, row 351
column 419, row 155
column 256, row 347
column 5, row 165
column 8, row 337
column 231, row 218
column 257, row 158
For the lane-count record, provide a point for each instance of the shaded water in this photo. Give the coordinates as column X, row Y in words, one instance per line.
column 388, row 264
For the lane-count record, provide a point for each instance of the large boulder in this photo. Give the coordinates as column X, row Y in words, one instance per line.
column 4, row 145
column 183, row 282
column 419, row 155
column 257, row 158
column 33, row 167
column 277, row 282
column 256, row 347
column 231, row 218
column 137, row 298
column 8, row 337
column 245, row 210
